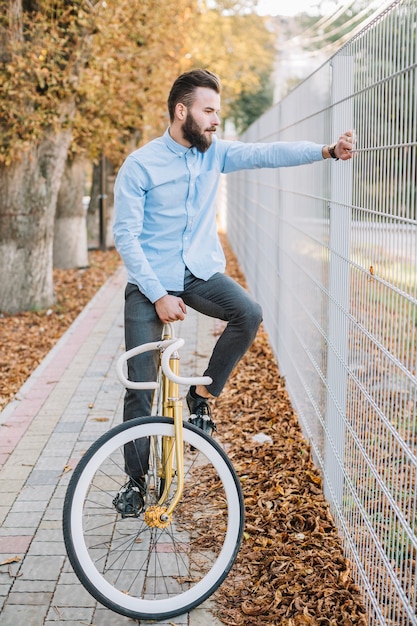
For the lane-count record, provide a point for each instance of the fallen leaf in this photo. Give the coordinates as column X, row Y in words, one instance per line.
column 13, row 559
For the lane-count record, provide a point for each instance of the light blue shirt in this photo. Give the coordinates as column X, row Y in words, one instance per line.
column 165, row 210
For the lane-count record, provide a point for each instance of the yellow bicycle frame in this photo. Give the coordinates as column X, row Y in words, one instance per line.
column 172, row 407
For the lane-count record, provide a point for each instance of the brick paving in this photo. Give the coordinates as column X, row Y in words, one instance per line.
column 67, row 403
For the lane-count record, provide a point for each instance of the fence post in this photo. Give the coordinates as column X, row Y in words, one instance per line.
column 339, row 283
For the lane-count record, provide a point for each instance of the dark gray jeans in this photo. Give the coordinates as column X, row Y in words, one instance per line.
column 219, row 297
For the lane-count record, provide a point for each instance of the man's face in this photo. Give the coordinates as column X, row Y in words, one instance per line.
column 202, row 119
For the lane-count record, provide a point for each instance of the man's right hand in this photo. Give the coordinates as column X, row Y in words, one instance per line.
column 170, row 308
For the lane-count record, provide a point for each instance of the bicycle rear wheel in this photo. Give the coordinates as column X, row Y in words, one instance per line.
column 148, row 572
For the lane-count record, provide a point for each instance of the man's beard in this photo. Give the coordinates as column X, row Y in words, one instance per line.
column 192, row 132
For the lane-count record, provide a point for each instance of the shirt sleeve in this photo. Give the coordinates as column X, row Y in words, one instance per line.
column 129, row 203
column 238, row 155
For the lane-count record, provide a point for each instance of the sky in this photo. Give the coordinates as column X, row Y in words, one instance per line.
column 291, row 7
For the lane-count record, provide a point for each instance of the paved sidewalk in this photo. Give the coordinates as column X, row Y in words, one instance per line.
column 67, row 403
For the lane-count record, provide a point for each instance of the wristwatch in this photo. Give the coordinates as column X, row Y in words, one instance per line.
column 332, row 152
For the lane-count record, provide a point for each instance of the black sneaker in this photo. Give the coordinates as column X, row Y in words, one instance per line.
column 130, row 500
column 200, row 414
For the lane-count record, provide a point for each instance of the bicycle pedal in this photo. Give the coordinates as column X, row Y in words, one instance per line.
column 204, row 423
column 129, row 501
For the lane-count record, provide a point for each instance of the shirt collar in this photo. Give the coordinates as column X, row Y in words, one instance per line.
column 175, row 147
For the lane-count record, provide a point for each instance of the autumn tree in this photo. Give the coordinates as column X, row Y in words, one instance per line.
column 235, row 43
column 44, row 48
column 122, row 97
column 83, row 80
column 121, row 101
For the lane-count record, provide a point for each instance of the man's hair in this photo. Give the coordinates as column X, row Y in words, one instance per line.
column 185, row 85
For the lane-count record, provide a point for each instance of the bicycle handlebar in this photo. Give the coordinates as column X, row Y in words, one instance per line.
column 181, row 380
column 169, row 346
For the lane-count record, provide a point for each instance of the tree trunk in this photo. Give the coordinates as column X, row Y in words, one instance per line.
column 70, row 238
column 28, row 194
column 46, row 62
column 101, row 186
column 10, row 27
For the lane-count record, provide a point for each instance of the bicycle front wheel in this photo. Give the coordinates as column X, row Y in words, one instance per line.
column 147, row 571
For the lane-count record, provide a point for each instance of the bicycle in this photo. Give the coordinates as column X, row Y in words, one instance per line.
column 178, row 551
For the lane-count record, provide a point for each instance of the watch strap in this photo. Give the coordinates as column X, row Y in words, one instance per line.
column 332, row 152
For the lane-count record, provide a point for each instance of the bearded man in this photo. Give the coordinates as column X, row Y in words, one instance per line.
column 165, row 231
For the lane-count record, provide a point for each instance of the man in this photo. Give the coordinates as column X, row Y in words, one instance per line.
column 165, row 232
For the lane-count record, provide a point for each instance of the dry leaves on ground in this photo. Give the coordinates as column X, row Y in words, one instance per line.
column 27, row 338
column 291, row 569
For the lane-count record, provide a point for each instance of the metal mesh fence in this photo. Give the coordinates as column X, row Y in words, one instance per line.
column 330, row 251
